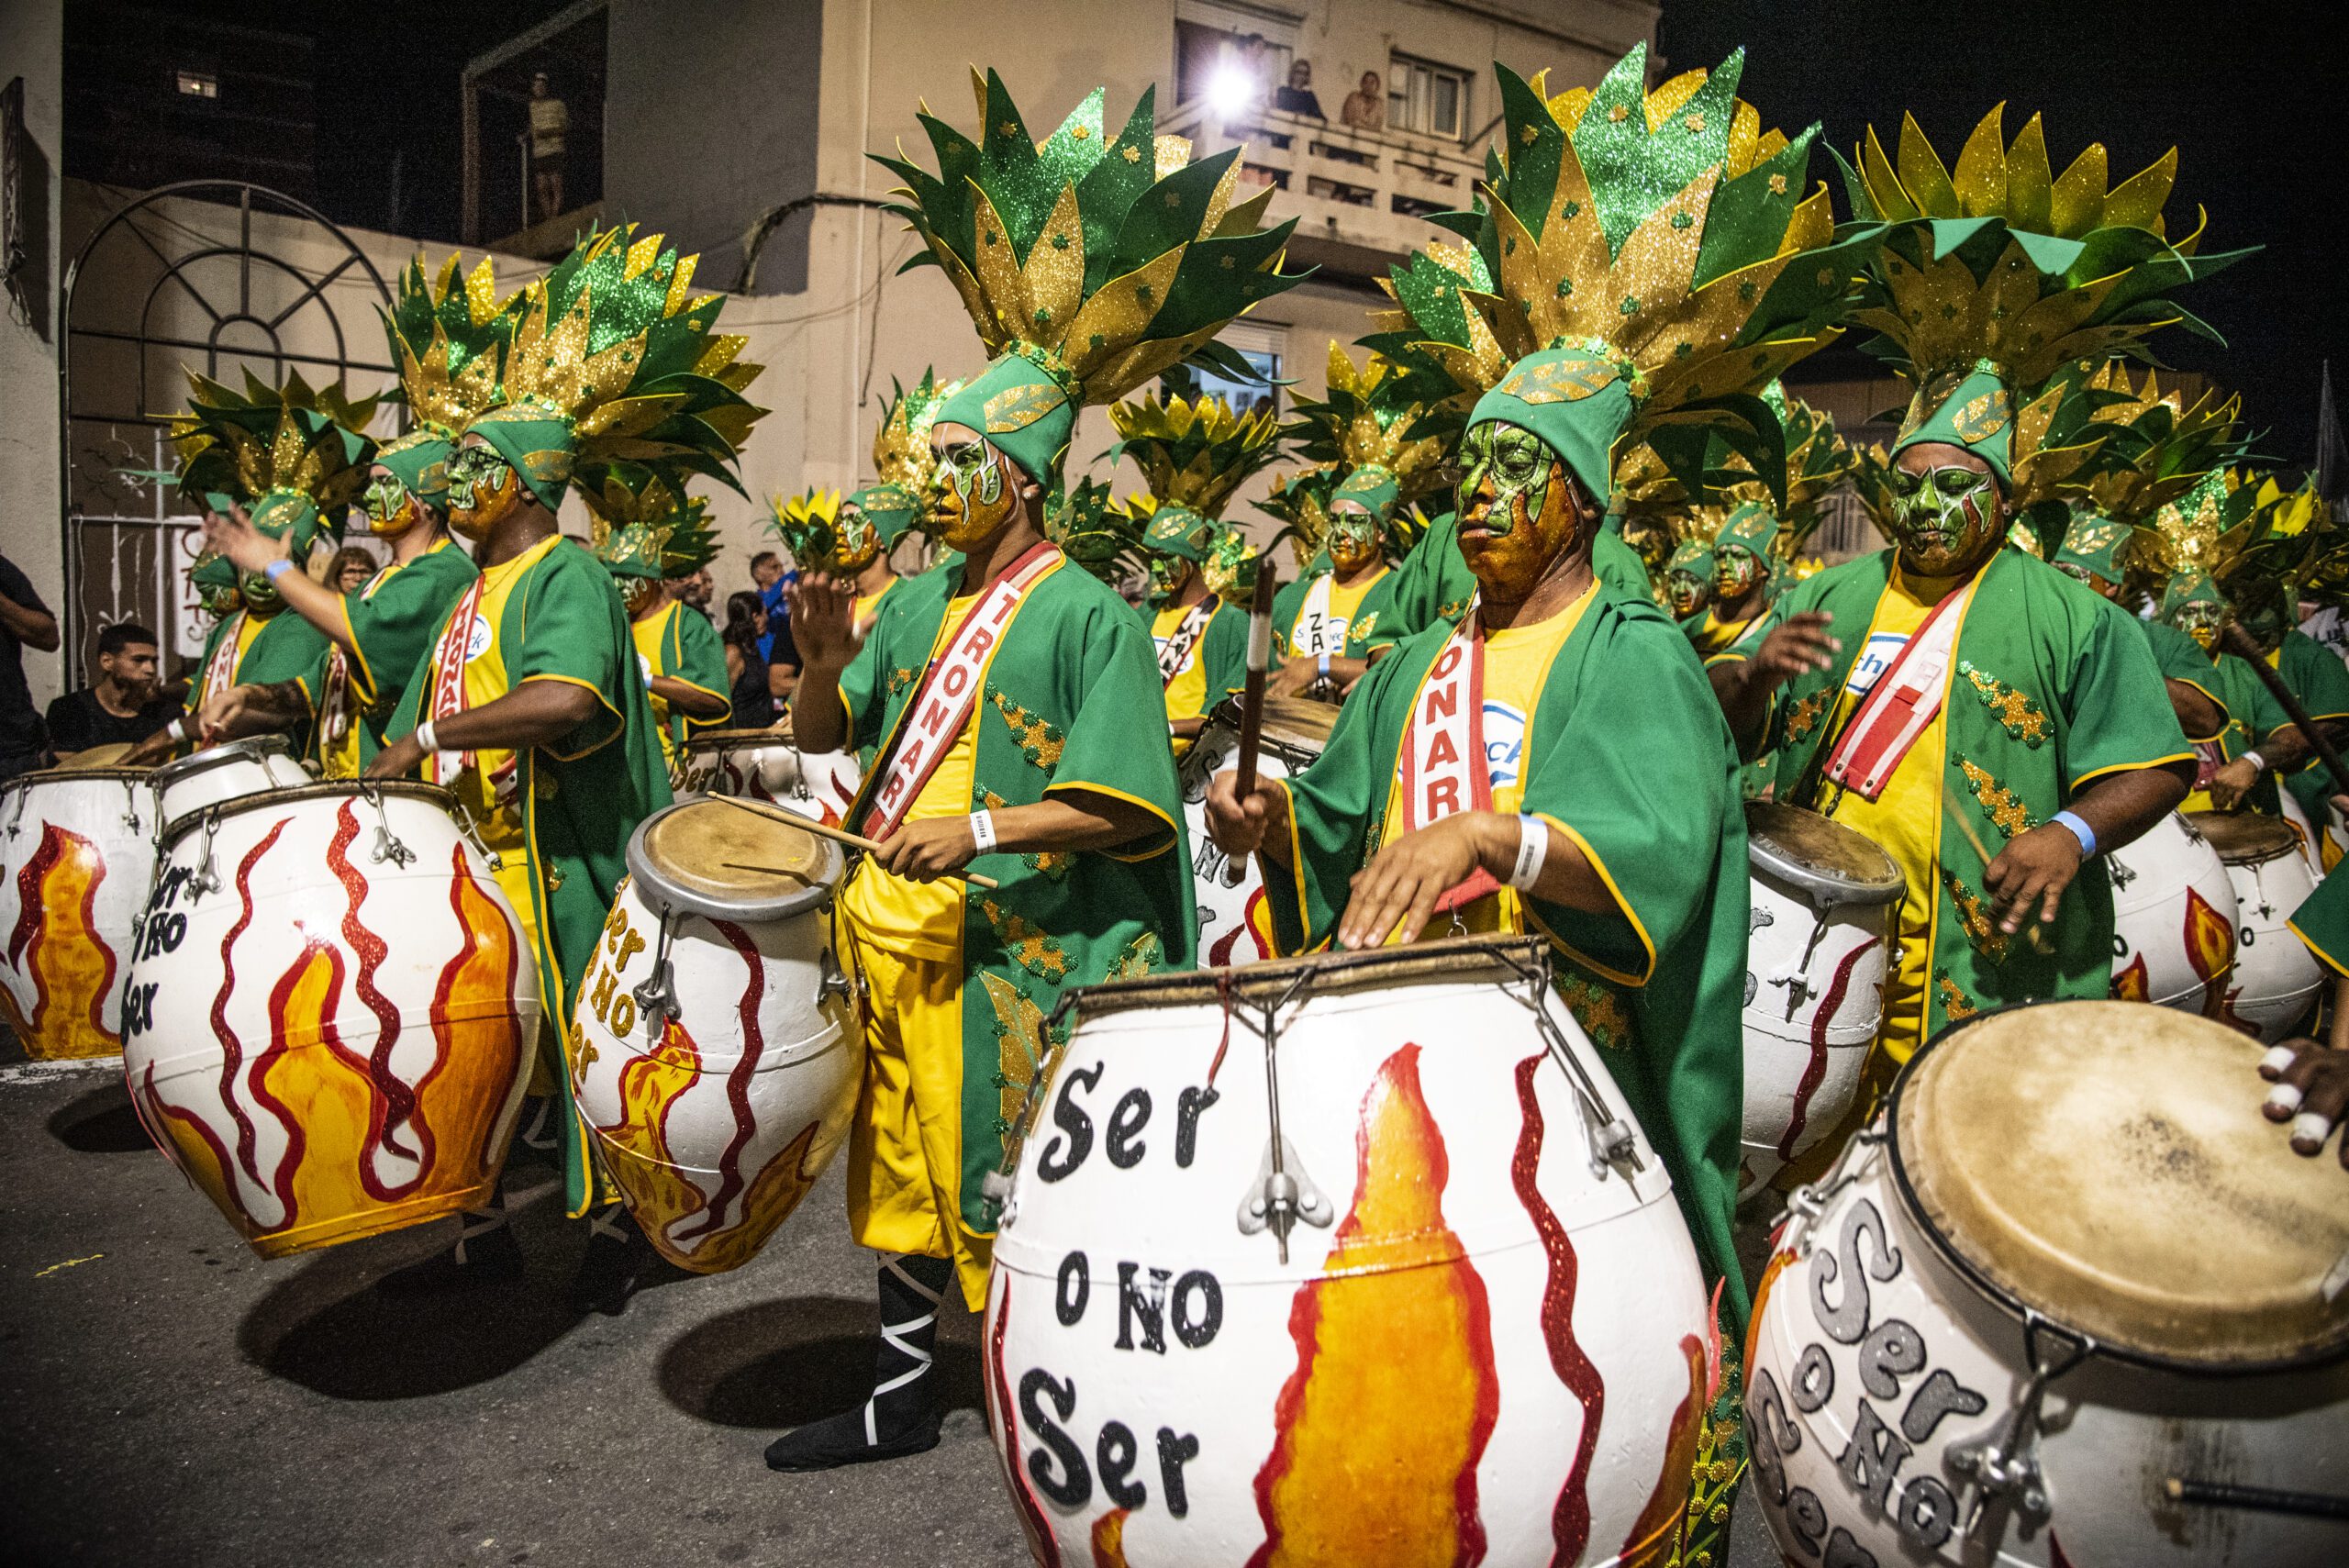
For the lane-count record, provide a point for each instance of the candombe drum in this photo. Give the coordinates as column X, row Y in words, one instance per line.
column 1826, row 904
column 224, row 772
column 2173, row 919
column 1342, row 1260
column 77, row 853
column 2275, row 976
column 715, row 1053
column 758, row 764
column 329, row 1014
column 1233, row 926
column 2073, row 1302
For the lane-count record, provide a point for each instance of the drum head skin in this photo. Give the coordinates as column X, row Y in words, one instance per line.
column 252, row 749
column 1295, row 730
column 2246, row 839
column 1828, row 863
column 2106, row 1164
column 713, row 858
column 98, row 758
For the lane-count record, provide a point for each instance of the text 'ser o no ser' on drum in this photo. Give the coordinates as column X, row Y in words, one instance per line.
column 1342, row 1260
column 713, row 1050
column 330, row 1010
column 2073, row 1304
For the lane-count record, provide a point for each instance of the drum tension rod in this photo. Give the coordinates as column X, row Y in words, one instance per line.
column 1805, row 1204
column 1280, row 1195
column 131, row 806
column 2004, row 1461
column 656, row 993
column 386, row 845
column 1609, row 1137
column 207, row 880
column 1798, row 984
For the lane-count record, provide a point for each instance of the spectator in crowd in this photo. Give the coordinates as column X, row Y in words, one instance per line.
column 1298, row 97
column 746, row 666
column 774, row 644
column 550, row 120
column 352, row 570
column 124, row 705
column 1365, row 107
column 24, row 619
column 694, row 590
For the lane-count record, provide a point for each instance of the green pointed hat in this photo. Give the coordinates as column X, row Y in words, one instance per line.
column 2191, row 586
column 1634, row 257
column 1751, row 525
column 2094, row 543
column 1089, row 262
column 639, row 529
column 891, row 511
column 1695, row 557
column 212, row 570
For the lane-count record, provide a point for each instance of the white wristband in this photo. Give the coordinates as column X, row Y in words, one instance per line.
column 1532, row 849
column 983, row 831
column 177, row 728
column 426, row 739
column 1324, row 664
column 2258, row 764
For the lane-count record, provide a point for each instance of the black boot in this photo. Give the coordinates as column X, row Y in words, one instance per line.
column 620, row 1262
column 485, row 1253
column 902, row 1415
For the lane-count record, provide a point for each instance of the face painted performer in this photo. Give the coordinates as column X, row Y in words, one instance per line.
column 281, row 464
column 1688, row 582
column 1764, row 523
column 447, row 338
column 1002, row 700
column 648, row 540
column 1543, row 808
column 1963, row 686
column 1194, row 452
column 527, row 701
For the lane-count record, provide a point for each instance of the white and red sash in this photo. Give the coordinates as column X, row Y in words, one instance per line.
column 1902, row 703
column 220, row 670
column 334, row 696
column 1176, row 651
column 949, row 691
column 1317, row 630
column 451, row 654
column 1444, row 769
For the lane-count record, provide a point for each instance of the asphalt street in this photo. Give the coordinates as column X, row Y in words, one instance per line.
column 171, row 1399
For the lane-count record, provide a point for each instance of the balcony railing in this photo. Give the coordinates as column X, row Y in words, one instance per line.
column 1373, row 189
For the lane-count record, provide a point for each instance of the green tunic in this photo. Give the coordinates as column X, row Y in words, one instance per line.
column 1623, row 692
column 2322, row 922
column 392, row 622
column 2315, row 674
column 1223, row 654
column 1061, row 707
column 1616, row 565
column 287, row 648
column 2050, row 690
column 581, row 796
column 2252, row 715
column 686, row 648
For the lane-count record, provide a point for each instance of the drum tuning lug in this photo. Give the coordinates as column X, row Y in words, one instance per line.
column 656, row 993
column 1282, row 1194
column 994, row 1195
column 831, row 980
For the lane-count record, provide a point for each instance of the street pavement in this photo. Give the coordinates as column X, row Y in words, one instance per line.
column 167, row 1398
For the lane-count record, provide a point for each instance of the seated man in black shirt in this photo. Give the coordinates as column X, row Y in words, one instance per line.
column 124, row 705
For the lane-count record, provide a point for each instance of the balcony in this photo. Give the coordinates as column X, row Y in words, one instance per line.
column 1360, row 198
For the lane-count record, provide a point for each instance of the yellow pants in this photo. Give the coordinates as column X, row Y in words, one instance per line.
column 904, row 1148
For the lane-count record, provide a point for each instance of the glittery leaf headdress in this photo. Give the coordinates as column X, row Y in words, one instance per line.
column 1376, row 423
column 1088, row 262
column 294, row 456
column 611, row 362
column 2155, row 448
column 1301, row 502
column 1094, row 532
column 449, row 339
column 1195, row 452
column 2202, row 530
column 1998, row 287
column 1634, row 259
column 1785, row 480
column 823, row 535
column 645, row 530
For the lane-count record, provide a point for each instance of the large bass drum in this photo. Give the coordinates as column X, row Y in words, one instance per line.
column 2276, row 978
column 1826, row 907
column 77, row 855
column 2173, row 919
column 757, row 764
column 1343, row 1260
column 2071, row 1302
column 225, row 772
column 715, row 1052
column 1233, row 925
column 329, row 1018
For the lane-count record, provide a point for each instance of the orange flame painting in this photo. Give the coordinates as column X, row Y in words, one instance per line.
column 1376, row 1453
column 56, row 944
column 2133, row 984
column 1656, row 1532
column 2210, row 949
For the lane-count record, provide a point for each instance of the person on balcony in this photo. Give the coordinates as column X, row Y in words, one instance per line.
column 1297, row 97
column 1365, row 107
column 550, row 120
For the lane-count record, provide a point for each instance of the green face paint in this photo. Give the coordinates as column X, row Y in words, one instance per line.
column 1735, row 571
column 391, row 509
column 1167, row 575
column 972, row 499
column 482, row 488
column 1942, row 518
column 1501, row 464
column 1687, row 590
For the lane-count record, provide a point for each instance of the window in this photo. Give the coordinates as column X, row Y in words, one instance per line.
column 1425, row 97
column 198, row 84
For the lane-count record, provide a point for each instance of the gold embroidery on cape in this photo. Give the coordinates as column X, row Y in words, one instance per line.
column 900, row 678
column 1034, row 951
column 1597, row 1009
column 1017, row 1022
column 2023, row 718
column 1955, row 1004
column 1975, row 916
column 2000, row 805
column 1142, row 956
column 1041, row 742
column 1804, row 717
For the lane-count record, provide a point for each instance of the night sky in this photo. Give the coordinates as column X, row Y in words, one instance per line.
column 2251, row 91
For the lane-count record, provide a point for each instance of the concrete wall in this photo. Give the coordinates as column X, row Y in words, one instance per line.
column 32, row 44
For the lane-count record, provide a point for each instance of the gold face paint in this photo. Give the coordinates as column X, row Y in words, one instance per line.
column 1944, row 521
column 1735, row 571
column 639, row 594
column 857, row 542
column 484, row 491
column 2200, row 618
column 1688, row 593
column 1353, row 536
column 1517, row 510
column 1168, row 574
column 391, row 509
column 973, row 493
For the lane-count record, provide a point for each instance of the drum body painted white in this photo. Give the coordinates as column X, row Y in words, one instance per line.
column 226, row 771
column 769, row 770
column 1872, row 1360
column 2174, row 940
column 2311, row 842
column 329, row 1015
column 1233, row 927
column 1814, row 1002
column 77, row 857
column 716, row 1122
column 1164, row 1387
column 2275, row 976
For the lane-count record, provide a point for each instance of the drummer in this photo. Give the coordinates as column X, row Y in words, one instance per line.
column 528, row 701
column 648, row 540
column 2257, row 739
column 2318, row 681
column 1202, row 642
column 1311, row 614
column 2091, row 554
column 1742, row 579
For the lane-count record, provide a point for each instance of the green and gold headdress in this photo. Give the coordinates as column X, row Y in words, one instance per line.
column 294, row 456
column 901, row 458
column 612, row 362
column 1301, row 502
column 821, row 534
column 1997, row 288
column 1090, row 262
column 2156, row 447
column 1194, row 452
column 1637, row 261
column 1378, row 427
column 448, row 338
column 2200, row 531
column 1096, row 533
column 647, row 531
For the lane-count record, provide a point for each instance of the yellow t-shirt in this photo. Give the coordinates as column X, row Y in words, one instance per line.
column 1343, row 603
column 1186, row 694
column 924, row 920
column 866, row 603
column 1907, row 818
column 1516, row 664
column 650, row 634
column 499, row 824
column 1717, row 634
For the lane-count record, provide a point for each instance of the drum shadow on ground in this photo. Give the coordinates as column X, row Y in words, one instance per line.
column 801, row 1358
column 329, row 1330
column 100, row 1122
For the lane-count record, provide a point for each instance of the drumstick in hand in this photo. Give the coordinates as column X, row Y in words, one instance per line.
column 2031, row 931
column 826, row 830
column 1252, row 694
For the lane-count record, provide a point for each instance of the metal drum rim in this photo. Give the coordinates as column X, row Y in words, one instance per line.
column 68, row 775
column 658, row 889
column 250, row 748
column 2288, row 845
column 319, row 789
column 1820, row 888
column 2024, row 1314
column 736, row 740
column 1278, row 980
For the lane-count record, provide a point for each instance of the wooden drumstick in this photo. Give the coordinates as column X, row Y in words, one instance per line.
column 2031, row 931
column 2241, row 642
column 837, row 835
column 1252, row 693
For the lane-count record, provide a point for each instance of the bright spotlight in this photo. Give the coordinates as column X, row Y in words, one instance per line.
column 1230, row 91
